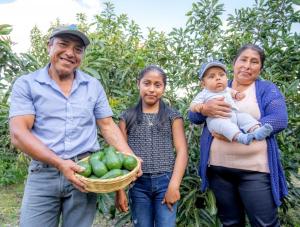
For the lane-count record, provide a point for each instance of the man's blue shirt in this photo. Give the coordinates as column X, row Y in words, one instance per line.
column 66, row 125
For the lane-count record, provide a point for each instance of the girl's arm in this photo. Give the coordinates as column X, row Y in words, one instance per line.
column 172, row 195
column 121, row 201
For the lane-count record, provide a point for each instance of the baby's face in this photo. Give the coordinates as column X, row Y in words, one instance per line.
column 215, row 79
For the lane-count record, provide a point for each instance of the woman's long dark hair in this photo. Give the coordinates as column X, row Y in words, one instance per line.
column 135, row 114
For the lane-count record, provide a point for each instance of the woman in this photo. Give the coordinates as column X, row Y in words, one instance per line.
column 245, row 178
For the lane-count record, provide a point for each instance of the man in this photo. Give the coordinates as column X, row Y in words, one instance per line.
column 54, row 115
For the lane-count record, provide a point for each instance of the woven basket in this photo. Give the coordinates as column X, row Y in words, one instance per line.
column 109, row 185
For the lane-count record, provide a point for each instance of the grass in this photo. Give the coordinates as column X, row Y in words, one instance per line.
column 10, row 203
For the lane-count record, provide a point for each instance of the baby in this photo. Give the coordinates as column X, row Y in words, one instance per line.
column 240, row 127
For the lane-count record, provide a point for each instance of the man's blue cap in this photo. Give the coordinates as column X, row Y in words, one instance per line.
column 71, row 29
column 208, row 65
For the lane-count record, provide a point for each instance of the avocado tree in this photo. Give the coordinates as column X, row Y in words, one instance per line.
column 12, row 164
column 118, row 51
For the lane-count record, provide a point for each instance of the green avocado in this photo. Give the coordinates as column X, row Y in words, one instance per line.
column 130, row 163
column 96, row 156
column 109, row 149
column 87, row 169
column 99, row 168
column 112, row 160
column 125, row 171
column 112, row 174
column 121, row 157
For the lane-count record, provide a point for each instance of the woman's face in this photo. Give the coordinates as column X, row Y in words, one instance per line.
column 247, row 67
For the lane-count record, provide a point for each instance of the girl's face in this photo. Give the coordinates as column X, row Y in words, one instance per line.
column 151, row 87
column 215, row 79
column 247, row 67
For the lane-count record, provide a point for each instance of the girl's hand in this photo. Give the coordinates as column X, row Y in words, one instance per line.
column 140, row 172
column 121, row 202
column 216, row 108
column 171, row 197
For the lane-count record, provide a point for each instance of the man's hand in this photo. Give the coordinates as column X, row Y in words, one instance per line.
column 68, row 169
column 216, row 108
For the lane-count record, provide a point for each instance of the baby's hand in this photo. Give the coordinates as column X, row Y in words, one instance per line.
column 239, row 96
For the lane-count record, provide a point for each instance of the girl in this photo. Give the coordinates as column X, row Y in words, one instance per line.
column 153, row 130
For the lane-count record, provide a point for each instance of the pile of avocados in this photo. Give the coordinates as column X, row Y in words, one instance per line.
column 107, row 164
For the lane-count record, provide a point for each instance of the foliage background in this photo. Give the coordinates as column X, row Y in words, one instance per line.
column 119, row 51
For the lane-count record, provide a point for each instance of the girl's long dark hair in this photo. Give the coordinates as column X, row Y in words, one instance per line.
column 135, row 114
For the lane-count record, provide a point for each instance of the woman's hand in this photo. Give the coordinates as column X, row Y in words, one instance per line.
column 171, row 197
column 216, row 108
column 121, row 202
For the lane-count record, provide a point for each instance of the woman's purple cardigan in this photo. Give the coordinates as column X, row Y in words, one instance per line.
column 273, row 111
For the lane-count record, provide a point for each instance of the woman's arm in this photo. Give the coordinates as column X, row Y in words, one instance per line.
column 172, row 195
column 275, row 110
column 212, row 108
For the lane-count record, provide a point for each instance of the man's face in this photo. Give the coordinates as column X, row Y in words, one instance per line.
column 65, row 54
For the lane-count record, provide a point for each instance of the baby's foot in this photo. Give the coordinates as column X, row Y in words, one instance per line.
column 262, row 132
column 245, row 138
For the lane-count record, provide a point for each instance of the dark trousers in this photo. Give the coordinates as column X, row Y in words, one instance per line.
column 241, row 191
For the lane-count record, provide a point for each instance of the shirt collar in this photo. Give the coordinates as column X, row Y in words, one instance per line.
column 44, row 76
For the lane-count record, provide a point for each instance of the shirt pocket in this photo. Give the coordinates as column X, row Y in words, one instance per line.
column 83, row 112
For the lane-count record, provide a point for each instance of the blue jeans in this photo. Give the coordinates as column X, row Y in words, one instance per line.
column 145, row 199
column 49, row 195
column 242, row 191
